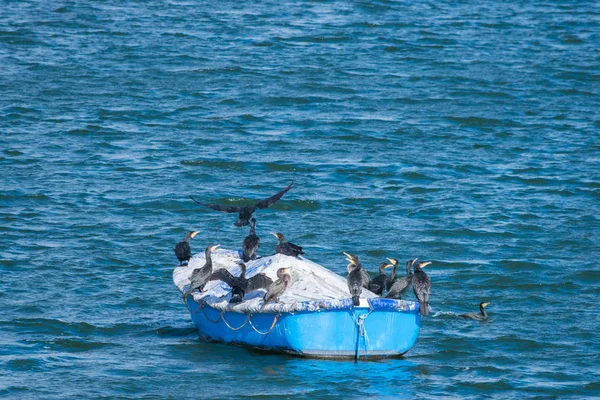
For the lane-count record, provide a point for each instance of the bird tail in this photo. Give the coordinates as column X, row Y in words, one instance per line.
column 424, row 308
column 355, row 300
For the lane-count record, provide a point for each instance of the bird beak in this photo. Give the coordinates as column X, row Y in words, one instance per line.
column 394, row 262
column 387, row 265
column 413, row 262
column 274, row 234
column 425, row 264
column 195, row 233
column 485, row 304
column 213, row 248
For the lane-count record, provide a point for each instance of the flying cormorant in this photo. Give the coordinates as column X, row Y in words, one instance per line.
column 366, row 278
column 377, row 285
column 251, row 243
column 277, row 288
column 247, row 211
column 286, row 248
column 355, row 278
column 201, row 275
column 400, row 285
column 183, row 250
column 479, row 317
column 422, row 287
column 240, row 285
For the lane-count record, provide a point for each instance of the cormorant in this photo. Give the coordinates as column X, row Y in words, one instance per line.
column 479, row 317
column 240, row 285
column 366, row 278
column 251, row 243
column 377, row 285
column 400, row 285
column 247, row 211
column 355, row 278
column 277, row 288
column 286, row 248
column 201, row 275
column 422, row 287
column 183, row 250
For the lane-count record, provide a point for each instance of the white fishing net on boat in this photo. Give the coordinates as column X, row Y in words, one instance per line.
column 313, row 287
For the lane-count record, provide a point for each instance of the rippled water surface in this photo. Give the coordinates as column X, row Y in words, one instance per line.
column 466, row 133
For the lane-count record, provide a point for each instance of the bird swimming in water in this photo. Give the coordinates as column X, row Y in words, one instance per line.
column 481, row 316
column 201, row 275
column 366, row 278
column 286, row 248
column 422, row 287
column 247, row 211
column 241, row 285
column 377, row 285
column 277, row 288
column 251, row 243
column 400, row 285
column 183, row 251
column 355, row 278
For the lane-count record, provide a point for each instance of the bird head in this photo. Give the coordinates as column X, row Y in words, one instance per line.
column 279, row 236
column 351, row 257
column 483, row 305
column 213, row 248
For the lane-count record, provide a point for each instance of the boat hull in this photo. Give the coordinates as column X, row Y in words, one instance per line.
column 340, row 333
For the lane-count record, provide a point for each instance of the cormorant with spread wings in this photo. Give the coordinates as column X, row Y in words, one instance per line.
column 247, row 211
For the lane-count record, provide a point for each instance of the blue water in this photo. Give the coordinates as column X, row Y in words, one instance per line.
column 465, row 133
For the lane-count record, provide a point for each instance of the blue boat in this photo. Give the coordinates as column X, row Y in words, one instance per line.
column 327, row 328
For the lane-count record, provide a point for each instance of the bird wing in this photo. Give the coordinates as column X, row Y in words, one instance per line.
column 217, row 207
column 275, row 289
column 223, row 275
column 260, row 281
column 271, row 200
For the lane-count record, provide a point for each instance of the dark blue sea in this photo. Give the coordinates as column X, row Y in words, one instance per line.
column 462, row 132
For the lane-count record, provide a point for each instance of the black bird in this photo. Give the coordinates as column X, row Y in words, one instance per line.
column 251, row 243
column 286, row 248
column 355, row 278
column 240, row 285
column 479, row 317
column 377, row 285
column 277, row 288
column 422, row 287
column 400, row 285
column 247, row 211
column 201, row 275
column 183, row 251
column 366, row 278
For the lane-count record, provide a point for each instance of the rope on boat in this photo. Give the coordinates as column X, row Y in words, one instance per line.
column 248, row 319
column 231, row 327
column 270, row 329
column 361, row 330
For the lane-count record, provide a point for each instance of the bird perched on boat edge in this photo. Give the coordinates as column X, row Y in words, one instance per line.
column 400, row 285
column 355, row 278
column 251, row 243
column 277, row 288
column 421, row 287
column 247, row 211
column 241, row 285
column 366, row 278
column 377, row 284
column 201, row 275
column 481, row 316
column 183, row 251
column 286, row 248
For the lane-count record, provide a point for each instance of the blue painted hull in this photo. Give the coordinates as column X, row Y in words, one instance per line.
column 342, row 333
